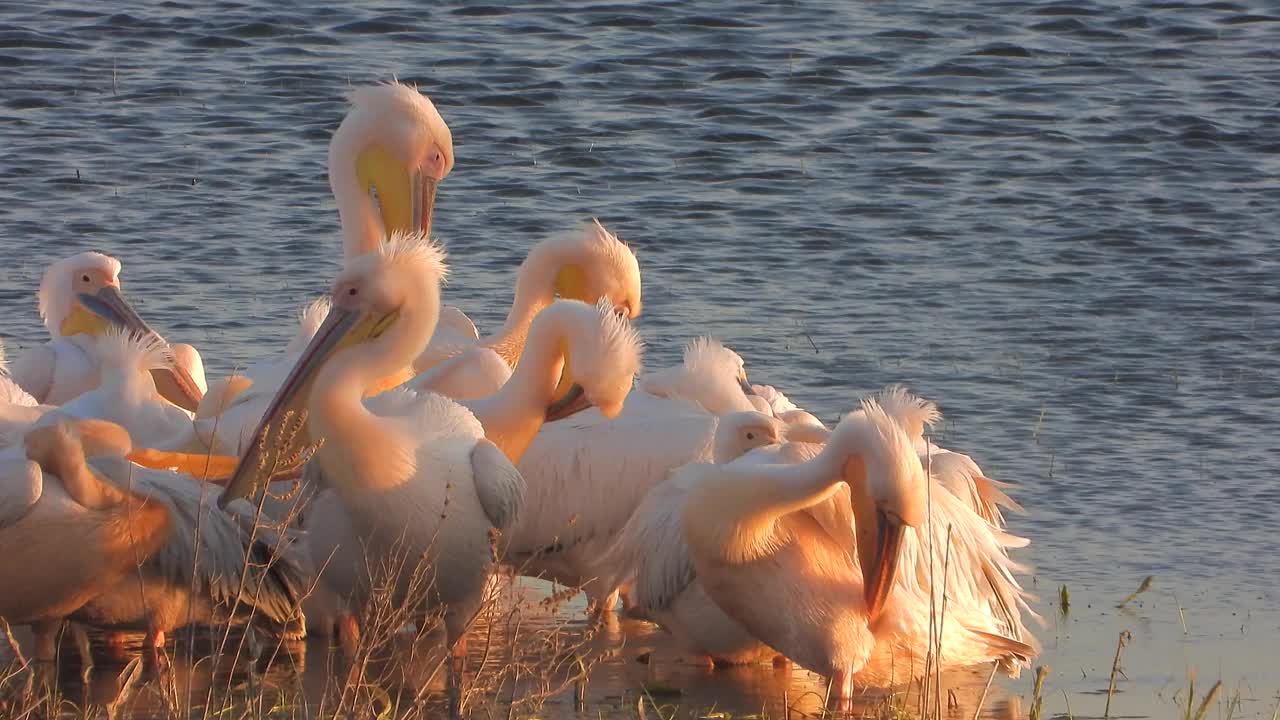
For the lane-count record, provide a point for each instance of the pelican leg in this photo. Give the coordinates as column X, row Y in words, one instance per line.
column 348, row 631
column 153, row 646
column 45, row 667
column 602, row 608
column 840, row 693
column 46, row 637
column 81, row 637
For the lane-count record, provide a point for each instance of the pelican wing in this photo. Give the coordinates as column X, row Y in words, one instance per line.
column 454, row 335
column 21, row 485
column 778, row 402
column 473, row 374
column 224, row 554
column 982, row 591
column 586, row 474
column 498, row 484
column 960, row 475
column 34, row 370
column 651, row 546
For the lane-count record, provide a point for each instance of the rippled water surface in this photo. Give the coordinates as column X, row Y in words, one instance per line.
column 1058, row 219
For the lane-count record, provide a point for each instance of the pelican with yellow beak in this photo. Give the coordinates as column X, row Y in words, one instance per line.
column 822, row 552
column 778, row 572
column 386, row 160
column 578, row 356
column 80, row 301
column 589, row 264
column 421, row 485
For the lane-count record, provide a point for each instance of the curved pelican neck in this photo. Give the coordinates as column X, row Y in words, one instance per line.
column 736, row 510
column 358, row 448
column 513, row 415
column 362, row 228
column 535, row 290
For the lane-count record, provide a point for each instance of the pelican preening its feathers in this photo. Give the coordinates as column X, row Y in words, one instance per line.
column 386, row 160
column 80, row 300
column 590, row 265
column 718, row 509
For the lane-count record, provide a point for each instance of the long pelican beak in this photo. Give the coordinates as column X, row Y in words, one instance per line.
column 282, row 435
column 173, row 383
column 878, row 536
column 177, row 386
column 879, row 561
column 572, row 396
column 424, row 202
column 210, row 468
column 406, row 199
column 573, row 401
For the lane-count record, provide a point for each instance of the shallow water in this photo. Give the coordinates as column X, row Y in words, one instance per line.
column 1055, row 218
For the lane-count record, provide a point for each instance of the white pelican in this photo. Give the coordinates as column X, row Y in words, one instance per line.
column 80, row 300
column 416, row 477
column 588, row 349
column 710, row 375
column 386, row 160
column 126, row 393
column 589, row 265
column 850, row 613
column 586, row 474
column 651, row 550
column 68, row 534
column 213, row 568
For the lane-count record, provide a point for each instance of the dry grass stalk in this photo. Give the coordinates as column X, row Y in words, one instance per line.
column 1208, row 700
column 1125, row 637
column 1037, row 692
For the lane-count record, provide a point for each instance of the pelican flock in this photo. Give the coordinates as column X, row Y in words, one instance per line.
column 433, row 458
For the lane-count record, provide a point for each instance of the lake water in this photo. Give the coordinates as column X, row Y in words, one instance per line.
column 1057, row 219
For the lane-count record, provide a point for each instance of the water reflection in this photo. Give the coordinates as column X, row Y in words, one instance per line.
column 543, row 658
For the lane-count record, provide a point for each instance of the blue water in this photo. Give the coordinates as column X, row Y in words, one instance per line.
column 1057, row 219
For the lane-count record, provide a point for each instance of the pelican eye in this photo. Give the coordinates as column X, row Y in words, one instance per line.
column 751, row 436
column 353, row 292
column 84, row 278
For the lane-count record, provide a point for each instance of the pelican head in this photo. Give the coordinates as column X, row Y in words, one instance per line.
column 739, row 432
column 711, row 375
column 888, row 492
column 589, row 264
column 385, row 161
column 597, row 265
column 602, row 357
column 81, row 295
column 384, row 308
